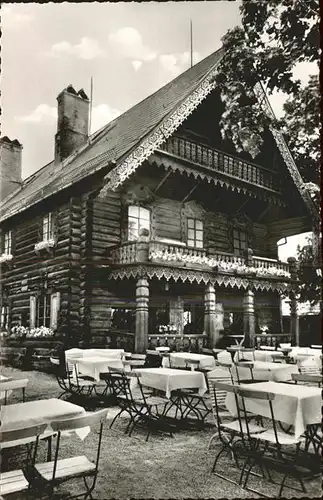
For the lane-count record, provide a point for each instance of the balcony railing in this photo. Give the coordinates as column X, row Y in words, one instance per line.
column 221, row 162
column 180, row 255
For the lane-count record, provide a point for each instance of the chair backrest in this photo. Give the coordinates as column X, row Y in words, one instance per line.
column 151, row 352
column 22, row 433
column 243, row 364
column 54, row 361
column 138, row 356
column 246, row 394
column 220, row 392
column 307, row 378
column 307, row 365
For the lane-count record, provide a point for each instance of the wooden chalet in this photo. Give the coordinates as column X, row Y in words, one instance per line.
column 153, row 229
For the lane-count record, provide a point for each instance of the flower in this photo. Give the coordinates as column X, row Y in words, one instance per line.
column 18, row 331
column 41, row 331
column 5, row 257
column 45, row 244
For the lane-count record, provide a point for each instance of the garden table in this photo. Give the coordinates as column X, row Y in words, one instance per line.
column 93, row 366
column 258, row 355
column 180, row 360
column 265, row 370
column 170, row 379
column 85, row 353
column 294, row 404
column 39, row 412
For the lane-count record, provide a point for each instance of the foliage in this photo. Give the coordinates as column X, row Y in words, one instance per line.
column 310, row 277
column 275, row 36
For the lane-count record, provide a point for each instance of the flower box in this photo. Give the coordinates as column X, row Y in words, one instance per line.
column 44, row 245
column 6, row 258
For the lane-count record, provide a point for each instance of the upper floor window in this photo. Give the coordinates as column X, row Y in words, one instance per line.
column 194, row 233
column 48, row 232
column 7, row 243
column 138, row 219
column 240, row 243
column 4, row 320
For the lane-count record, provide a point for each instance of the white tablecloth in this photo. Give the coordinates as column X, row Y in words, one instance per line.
column 89, row 353
column 93, row 366
column 315, row 353
column 170, row 379
column 179, row 359
column 264, row 370
column 295, row 405
column 258, row 355
column 40, row 412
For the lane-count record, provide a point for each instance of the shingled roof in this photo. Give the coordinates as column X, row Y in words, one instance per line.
column 125, row 142
column 111, row 143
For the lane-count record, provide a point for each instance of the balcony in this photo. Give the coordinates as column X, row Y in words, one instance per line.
column 221, row 162
column 180, row 256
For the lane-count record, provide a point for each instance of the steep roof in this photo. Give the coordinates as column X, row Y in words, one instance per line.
column 128, row 140
column 112, row 142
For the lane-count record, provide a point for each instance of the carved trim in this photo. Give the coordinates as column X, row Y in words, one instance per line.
column 285, row 152
column 193, row 276
column 159, row 135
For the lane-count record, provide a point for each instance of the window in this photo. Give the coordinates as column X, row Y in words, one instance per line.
column 195, row 233
column 138, row 218
column 7, row 244
column 4, row 321
column 240, row 243
column 44, row 310
column 47, row 227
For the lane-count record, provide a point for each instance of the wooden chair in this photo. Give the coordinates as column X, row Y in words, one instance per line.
column 272, row 441
column 228, row 430
column 135, row 361
column 53, row 473
column 7, row 386
column 307, row 366
column 226, row 367
column 59, row 369
column 140, row 406
column 16, row 481
column 307, row 379
column 244, row 350
column 244, row 364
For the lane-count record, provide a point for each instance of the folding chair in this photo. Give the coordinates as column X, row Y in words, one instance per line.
column 135, row 361
column 244, row 364
column 7, row 386
column 61, row 375
column 272, row 441
column 244, row 350
column 307, row 365
column 15, row 481
column 52, row 474
column 227, row 367
column 228, row 431
column 307, row 379
column 140, row 406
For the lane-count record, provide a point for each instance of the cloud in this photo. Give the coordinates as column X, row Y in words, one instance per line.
column 42, row 113
column 136, row 65
column 102, row 114
column 128, row 42
column 13, row 18
column 88, row 49
column 178, row 62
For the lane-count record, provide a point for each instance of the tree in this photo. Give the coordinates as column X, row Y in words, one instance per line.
column 309, row 275
column 275, row 36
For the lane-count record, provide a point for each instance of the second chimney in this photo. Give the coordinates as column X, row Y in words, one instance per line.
column 72, row 122
column 10, row 166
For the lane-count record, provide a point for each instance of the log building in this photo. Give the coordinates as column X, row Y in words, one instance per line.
column 152, row 224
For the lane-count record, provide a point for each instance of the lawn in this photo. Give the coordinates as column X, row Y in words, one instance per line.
column 163, row 467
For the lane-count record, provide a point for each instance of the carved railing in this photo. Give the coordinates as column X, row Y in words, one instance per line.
column 272, row 339
column 185, row 342
column 221, row 162
column 269, row 263
column 180, row 255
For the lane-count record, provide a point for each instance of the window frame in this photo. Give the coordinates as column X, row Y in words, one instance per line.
column 192, row 223
column 139, row 220
column 42, row 310
column 49, row 234
column 7, row 242
column 239, row 249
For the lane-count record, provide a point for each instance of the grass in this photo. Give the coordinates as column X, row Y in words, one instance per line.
column 162, row 468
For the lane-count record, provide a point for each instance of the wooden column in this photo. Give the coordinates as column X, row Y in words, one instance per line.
column 294, row 319
column 210, row 317
column 142, row 299
column 176, row 313
column 249, row 318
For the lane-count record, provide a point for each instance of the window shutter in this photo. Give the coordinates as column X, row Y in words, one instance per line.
column 32, row 311
column 54, row 308
column 54, row 226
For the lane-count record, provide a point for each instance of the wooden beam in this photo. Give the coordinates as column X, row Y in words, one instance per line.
column 263, row 213
column 190, row 192
column 163, row 180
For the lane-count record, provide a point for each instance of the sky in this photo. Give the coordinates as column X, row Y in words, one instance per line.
column 130, row 50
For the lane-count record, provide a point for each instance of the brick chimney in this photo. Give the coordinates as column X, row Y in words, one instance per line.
column 10, row 166
column 72, row 122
